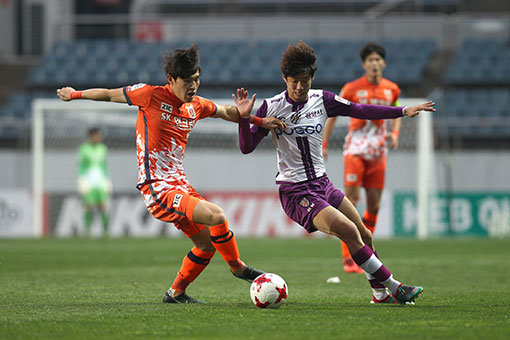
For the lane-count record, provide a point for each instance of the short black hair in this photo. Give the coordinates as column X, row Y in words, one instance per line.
column 370, row 48
column 182, row 63
column 297, row 59
column 94, row 130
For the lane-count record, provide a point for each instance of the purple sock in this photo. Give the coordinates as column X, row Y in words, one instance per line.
column 366, row 259
column 373, row 282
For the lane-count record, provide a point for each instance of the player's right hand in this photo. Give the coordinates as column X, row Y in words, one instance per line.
column 65, row 93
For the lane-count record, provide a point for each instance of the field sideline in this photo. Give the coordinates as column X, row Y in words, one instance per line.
column 94, row 289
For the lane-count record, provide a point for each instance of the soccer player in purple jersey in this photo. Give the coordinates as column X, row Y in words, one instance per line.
column 306, row 193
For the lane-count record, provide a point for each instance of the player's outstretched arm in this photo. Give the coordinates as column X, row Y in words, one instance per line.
column 338, row 106
column 107, row 95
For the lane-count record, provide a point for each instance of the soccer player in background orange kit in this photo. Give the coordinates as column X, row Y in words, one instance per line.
column 365, row 145
column 166, row 116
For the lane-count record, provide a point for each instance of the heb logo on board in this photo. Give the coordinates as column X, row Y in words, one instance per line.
column 166, row 107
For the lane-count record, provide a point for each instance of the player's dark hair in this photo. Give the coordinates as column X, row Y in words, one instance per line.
column 297, row 59
column 370, row 48
column 182, row 63
column 93, row 130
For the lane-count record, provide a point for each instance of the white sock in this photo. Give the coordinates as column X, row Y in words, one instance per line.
column 392, row 285
column 380, row 293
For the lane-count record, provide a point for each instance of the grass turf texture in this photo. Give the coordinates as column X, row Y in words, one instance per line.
column 92, row 289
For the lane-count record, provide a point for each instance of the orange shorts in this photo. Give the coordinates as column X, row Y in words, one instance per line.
column 364, row 173
column 172, row 205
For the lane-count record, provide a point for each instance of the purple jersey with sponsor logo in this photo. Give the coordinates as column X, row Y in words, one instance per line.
column 305, row 189
column 299, row 146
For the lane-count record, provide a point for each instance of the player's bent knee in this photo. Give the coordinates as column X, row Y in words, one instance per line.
column 342, row 228
column 217, row 215
column 367, row 237
column 349, row 233
column 208, row 213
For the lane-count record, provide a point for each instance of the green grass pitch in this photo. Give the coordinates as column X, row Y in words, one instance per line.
column 94, row 289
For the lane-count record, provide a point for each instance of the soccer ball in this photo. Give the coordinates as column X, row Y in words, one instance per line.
column 268, row 291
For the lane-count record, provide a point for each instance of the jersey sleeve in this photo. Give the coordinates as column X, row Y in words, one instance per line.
column 347, row 92
column 261, row 113
column 208, row 108
column 138, row 95
column 334, row 104
column 338, row 106
column 262, row 110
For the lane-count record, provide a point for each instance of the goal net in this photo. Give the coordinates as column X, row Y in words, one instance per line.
column 59, row 128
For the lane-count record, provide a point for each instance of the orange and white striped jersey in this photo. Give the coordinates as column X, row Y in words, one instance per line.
column 367, row 138
column 162, row 128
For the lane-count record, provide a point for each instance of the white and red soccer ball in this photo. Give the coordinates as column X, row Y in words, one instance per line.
column 268, row 291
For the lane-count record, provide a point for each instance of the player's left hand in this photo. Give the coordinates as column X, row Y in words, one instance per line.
column 269, row 123
column 412, row 111
column 243, row 103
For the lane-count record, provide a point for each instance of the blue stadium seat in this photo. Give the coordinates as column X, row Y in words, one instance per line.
column 475, row 112
column 102, row 62
column 480, row 62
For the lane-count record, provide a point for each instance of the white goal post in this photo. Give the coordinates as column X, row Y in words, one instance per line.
column 112, row 114
column 39, row 108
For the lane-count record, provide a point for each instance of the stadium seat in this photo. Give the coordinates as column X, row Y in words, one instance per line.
column 475, row 112
column 102, row 59
column 480, row 62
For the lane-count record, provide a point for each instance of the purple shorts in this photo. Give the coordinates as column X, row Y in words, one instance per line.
column 302, row 201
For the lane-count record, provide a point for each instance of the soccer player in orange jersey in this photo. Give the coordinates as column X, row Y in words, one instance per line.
column 365, row 144
column 166, row 116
